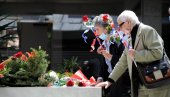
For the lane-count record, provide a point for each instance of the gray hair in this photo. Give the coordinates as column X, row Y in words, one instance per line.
column 128, row 15
column 98, row 20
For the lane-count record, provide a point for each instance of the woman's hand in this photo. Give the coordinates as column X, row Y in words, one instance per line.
column 105, row 84
column 99, row 50
column 106, row 54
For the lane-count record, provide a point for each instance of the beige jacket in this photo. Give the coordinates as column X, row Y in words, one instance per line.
column 148, row 46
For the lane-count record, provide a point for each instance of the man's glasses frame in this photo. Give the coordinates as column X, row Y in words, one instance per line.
column 120, row 25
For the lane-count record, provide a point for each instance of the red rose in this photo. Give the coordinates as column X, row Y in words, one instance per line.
column 2, row 66
column 82, row 84
column 105, row 18
column 18, row 55
column 70, row 83
column 85, row 18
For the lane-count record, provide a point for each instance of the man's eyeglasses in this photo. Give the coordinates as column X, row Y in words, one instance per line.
column 121, row 24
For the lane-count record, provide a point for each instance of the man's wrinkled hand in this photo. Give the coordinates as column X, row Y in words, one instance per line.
column 104, row 84
column 131, row 53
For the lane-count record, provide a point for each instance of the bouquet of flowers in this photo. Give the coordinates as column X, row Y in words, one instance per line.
column 27, row 69
column 78, row 79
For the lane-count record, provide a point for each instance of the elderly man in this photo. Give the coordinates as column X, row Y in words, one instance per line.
column 146, row 46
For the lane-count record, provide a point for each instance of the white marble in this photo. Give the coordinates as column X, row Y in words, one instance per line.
column 50, row 92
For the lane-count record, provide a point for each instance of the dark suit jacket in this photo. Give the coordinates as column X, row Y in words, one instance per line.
column 116, row 51
column 121, row 87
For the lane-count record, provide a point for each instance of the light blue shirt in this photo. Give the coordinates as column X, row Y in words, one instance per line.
column 108, row 61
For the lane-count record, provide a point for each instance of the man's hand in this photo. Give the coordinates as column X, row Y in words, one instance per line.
column 105, row 84
column 99, row 80
column 131, row 53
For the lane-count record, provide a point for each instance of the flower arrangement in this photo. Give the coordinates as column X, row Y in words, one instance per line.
column 78, row 79
column 30, row 69
column 27, row 69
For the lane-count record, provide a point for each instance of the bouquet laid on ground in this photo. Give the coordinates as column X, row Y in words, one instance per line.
column 26, row 69
column 78, row 79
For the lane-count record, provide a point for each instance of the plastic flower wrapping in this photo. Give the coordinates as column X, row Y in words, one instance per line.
column 78, row 79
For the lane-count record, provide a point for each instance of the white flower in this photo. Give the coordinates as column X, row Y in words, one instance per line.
column 53, row 75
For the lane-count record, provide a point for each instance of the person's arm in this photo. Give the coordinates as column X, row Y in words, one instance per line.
column 116, row 53
column 153, row 46
column 102, row 67
column 119, row 68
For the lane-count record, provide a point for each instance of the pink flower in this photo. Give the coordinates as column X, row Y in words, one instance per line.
column 112, row 25
column 24, row 58
column 1, row 75
column 32, row 54
column 85, row 18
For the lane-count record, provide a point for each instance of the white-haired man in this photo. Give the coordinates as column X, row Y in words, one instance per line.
column 147, row 46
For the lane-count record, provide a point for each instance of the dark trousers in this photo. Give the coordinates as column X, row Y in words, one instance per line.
column 120, row 89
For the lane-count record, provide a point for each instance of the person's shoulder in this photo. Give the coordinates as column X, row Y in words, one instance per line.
column 146, row 27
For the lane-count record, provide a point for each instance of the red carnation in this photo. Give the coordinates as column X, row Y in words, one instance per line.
column 105, row 18
column 2, row 66
column 85, row 18
column 18, row 55
column 70, row 83
column 82, row 84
